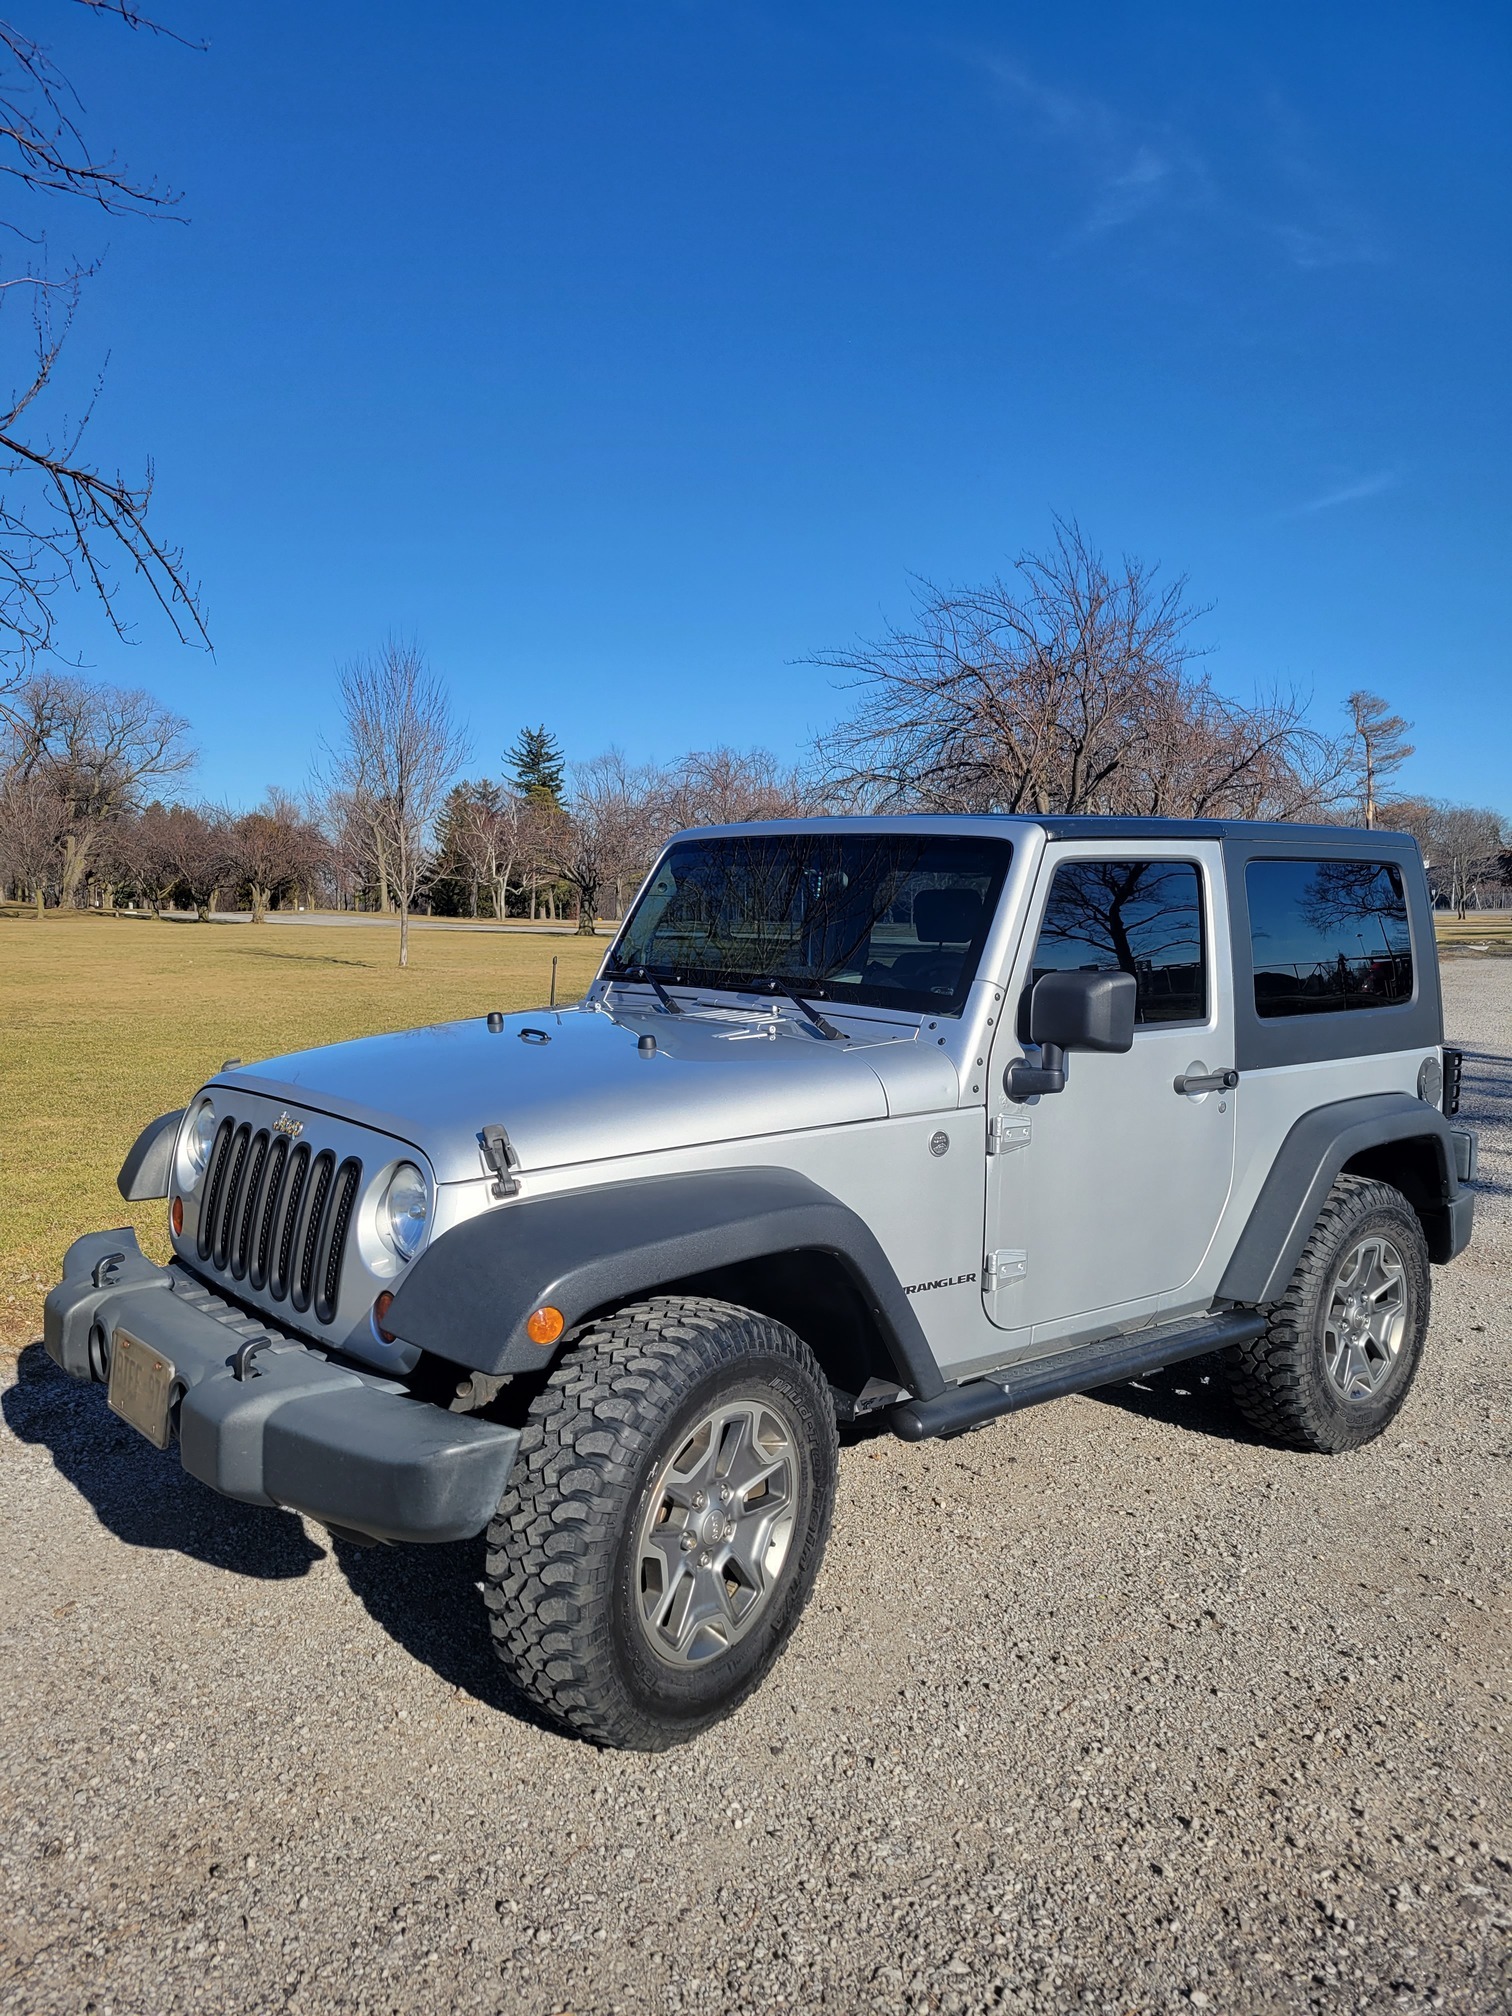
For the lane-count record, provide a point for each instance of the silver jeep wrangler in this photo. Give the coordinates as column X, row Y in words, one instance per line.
column 925, row 1118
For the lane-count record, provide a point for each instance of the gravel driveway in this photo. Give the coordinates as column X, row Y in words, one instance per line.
column 1104, row 1707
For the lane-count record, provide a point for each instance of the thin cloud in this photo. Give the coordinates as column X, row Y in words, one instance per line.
column 1326, row 229
column 1133, row 169
column 1347, row 493
column 1145, row 169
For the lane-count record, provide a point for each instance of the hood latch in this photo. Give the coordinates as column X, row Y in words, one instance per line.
column 499, row 1154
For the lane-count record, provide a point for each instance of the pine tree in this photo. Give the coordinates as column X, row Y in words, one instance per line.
column 537, row 765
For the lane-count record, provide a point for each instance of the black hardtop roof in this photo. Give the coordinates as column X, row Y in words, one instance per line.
column 1283, row 833
column 1094, row 826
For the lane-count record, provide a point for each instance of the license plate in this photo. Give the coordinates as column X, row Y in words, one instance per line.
column 141, row 1387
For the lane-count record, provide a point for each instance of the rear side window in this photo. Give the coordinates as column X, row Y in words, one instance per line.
column 1328, row 936
column 1139, row 917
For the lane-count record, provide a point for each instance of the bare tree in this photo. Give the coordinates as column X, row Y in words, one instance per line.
column 1464, row 846
column 607, row 832
column 480, row 839
column 143, row 849
column 64, row 521
column 1378, row 748
column 400, row 750
column 722, row 787
column 195, row 853
column 99, row 747
column 1068, row 687
column 33, row 819
column 273, row 851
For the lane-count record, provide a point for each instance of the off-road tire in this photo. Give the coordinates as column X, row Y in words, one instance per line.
column 562, row 1549
column 1281, row 1381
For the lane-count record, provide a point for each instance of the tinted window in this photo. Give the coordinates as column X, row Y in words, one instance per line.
column 890, row 919
column 1328, row 935
column 1139, row 917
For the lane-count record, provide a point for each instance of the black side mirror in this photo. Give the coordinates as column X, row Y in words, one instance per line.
column 1073, row 1011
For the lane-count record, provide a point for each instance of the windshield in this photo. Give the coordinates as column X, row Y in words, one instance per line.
column 890, row 919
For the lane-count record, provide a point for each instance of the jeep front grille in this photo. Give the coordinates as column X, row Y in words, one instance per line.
column 278, row 1217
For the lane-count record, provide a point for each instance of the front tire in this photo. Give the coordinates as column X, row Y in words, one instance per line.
column 664, row 1520
column 1342, row 1347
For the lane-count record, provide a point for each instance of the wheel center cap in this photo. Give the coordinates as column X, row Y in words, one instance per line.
column 715, row 1527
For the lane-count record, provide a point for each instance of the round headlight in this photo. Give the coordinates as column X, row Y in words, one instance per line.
column 199, row 1139
column 405, row 1208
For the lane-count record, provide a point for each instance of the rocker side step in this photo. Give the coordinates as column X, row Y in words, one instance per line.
column 1108, row 1362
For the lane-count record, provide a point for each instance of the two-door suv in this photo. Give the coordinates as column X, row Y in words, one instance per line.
column 929, row 1118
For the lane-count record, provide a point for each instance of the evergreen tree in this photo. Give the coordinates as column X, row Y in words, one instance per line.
column 536, row 764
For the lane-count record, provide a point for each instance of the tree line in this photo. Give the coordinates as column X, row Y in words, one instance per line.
column 1069, row 685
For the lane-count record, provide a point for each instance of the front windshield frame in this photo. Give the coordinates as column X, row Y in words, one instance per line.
column 874, row 873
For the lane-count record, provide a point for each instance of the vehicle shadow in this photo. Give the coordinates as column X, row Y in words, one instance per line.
column 429, row 1601
column 139, row 1493
column 1193, row 1395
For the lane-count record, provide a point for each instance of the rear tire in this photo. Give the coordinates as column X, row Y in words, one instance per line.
column 664, row 1521
column 1341, row 1350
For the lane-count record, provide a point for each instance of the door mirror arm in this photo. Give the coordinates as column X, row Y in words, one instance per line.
column 1023, row 1081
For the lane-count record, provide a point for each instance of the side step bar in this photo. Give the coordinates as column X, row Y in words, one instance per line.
column 1107, row 1363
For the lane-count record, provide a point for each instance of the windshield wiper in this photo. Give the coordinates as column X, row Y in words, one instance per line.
column 648, row 979
column 822, row 1023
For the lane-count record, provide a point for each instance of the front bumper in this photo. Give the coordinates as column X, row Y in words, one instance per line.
column 279, row 1424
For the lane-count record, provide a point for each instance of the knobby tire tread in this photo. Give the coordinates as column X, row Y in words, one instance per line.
column 552, row 1544
column 1268, row 1377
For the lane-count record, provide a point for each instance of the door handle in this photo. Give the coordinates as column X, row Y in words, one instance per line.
column 1207, row 1081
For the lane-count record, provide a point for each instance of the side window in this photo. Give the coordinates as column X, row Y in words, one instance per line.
column 1327, row 936
column 1139, row 917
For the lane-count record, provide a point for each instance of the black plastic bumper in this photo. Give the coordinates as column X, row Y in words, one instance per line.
column 281, row 1425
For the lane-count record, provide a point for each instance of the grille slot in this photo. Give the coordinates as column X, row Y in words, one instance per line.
column 278, row 1154
column 321, row 1171
column 215, row 1183
column 246, row 1214
column 227, row 1214
column 338, row 1223
column 294, row 1186
column 278, row 1215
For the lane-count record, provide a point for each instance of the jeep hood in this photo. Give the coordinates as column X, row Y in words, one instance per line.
column 574, row 1085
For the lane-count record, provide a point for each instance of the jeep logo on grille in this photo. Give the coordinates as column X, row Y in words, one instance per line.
column 284, row 1125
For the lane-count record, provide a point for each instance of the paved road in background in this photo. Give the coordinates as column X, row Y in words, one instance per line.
column 1107, row 1707
column 362, row 917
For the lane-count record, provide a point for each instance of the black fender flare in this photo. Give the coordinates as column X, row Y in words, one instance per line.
column 1316, row 1149
column 148, row 1168
column 466, row 1299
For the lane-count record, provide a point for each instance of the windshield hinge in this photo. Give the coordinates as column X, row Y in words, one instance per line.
column 1005, row 1132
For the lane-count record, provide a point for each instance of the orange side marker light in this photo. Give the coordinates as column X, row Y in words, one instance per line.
column 544, row 1326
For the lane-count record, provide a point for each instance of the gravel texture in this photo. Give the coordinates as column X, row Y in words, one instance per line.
column 1109, row 1706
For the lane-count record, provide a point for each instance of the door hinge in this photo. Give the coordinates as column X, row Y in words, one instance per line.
column 1006, row 1265
column 1005, row 1132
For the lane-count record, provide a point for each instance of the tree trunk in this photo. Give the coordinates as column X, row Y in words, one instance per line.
column 75, row 860
column 587, row 911
column 41, row 895
column 404, row 934
column 259, row 903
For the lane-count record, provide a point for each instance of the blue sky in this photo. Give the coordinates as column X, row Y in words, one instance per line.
column 627, row 354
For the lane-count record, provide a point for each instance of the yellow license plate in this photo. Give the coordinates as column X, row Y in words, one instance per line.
column 141, row 1387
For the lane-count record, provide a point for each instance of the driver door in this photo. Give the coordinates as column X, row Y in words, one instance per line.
column 1103, row 1199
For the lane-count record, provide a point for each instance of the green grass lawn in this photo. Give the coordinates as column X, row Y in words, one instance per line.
column 1483, row 930
column 105, row 1023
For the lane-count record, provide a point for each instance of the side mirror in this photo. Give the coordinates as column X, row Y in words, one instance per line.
column 1073, row 1011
